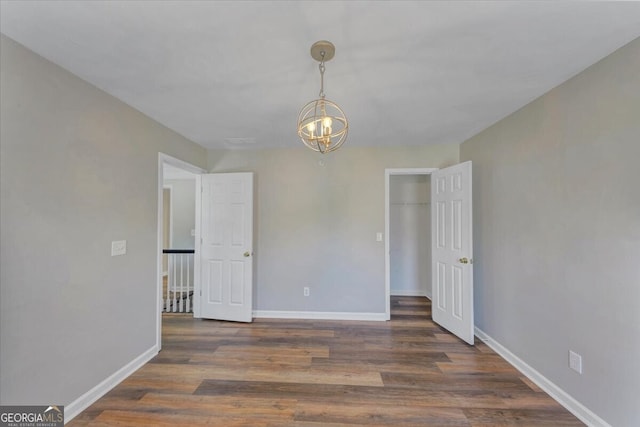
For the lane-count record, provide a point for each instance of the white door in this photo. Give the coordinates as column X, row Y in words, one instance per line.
column 452, row 250
column 226, row 249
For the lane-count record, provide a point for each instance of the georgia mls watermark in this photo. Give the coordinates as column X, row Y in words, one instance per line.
column 32, row 416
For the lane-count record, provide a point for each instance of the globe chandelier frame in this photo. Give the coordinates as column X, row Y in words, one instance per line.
column 322, row 124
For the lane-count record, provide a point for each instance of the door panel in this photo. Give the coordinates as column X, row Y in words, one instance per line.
column 452, row 250
column 226, row 249
column 441, row 294
column 237, row 283
column 214, row 279
column 440, row 221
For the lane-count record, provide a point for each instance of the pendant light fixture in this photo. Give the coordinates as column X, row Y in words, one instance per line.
column 322, row 125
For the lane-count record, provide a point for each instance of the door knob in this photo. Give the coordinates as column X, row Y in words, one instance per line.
column 247, row 254
column 463, row 261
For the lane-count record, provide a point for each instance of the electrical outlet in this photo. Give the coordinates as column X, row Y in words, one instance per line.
column 306, row 291
column 575, row 362
column 118, row 247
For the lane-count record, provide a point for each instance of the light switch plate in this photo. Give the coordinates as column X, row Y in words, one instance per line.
column 118, row 247
column 378, row 237
column 575, row 361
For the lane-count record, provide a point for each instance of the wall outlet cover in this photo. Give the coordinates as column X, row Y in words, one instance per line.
column 118, row 247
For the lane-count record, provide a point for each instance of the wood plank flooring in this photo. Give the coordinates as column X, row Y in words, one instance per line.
column 304, row 373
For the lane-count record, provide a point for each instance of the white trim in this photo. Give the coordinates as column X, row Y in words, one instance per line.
column 387, row 227
column 318, row 315
column 162, row 159
column 83, row 402
column 170, row 188
column 197, row 250
column 402, row 293
column 583, row 413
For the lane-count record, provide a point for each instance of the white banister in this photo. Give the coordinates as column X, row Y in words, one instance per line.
column 179, row 284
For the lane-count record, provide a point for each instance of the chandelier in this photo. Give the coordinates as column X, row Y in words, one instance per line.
column 322, row 125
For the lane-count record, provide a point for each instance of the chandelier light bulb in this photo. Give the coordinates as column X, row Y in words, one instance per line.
column 311, row 127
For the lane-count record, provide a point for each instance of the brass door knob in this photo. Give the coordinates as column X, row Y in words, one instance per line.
column 247, row 254
column 463, row 261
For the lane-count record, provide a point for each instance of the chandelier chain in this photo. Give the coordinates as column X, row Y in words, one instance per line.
column 321, row 66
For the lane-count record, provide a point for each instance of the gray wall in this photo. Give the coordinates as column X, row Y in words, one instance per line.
column 557, row 234
column 316, row 224
column 78, row 170
column 183, row 205
column 410, row 234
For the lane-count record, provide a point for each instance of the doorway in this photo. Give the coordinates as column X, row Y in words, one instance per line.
column 410, row 235
column 168, row 167
column 408, row 231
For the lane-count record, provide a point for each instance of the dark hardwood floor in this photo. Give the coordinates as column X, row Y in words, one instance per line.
column 408, row 371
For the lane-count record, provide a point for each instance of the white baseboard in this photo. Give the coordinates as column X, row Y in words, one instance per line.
column 403, row 293
column 562, row 397
column 318, row 315
column 84, row 401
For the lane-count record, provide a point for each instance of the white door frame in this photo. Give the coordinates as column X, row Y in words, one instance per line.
column 181, row 164
column 170, row 188
column 387, row 259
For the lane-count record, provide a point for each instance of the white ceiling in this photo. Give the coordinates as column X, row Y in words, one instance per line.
column 228, row 74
